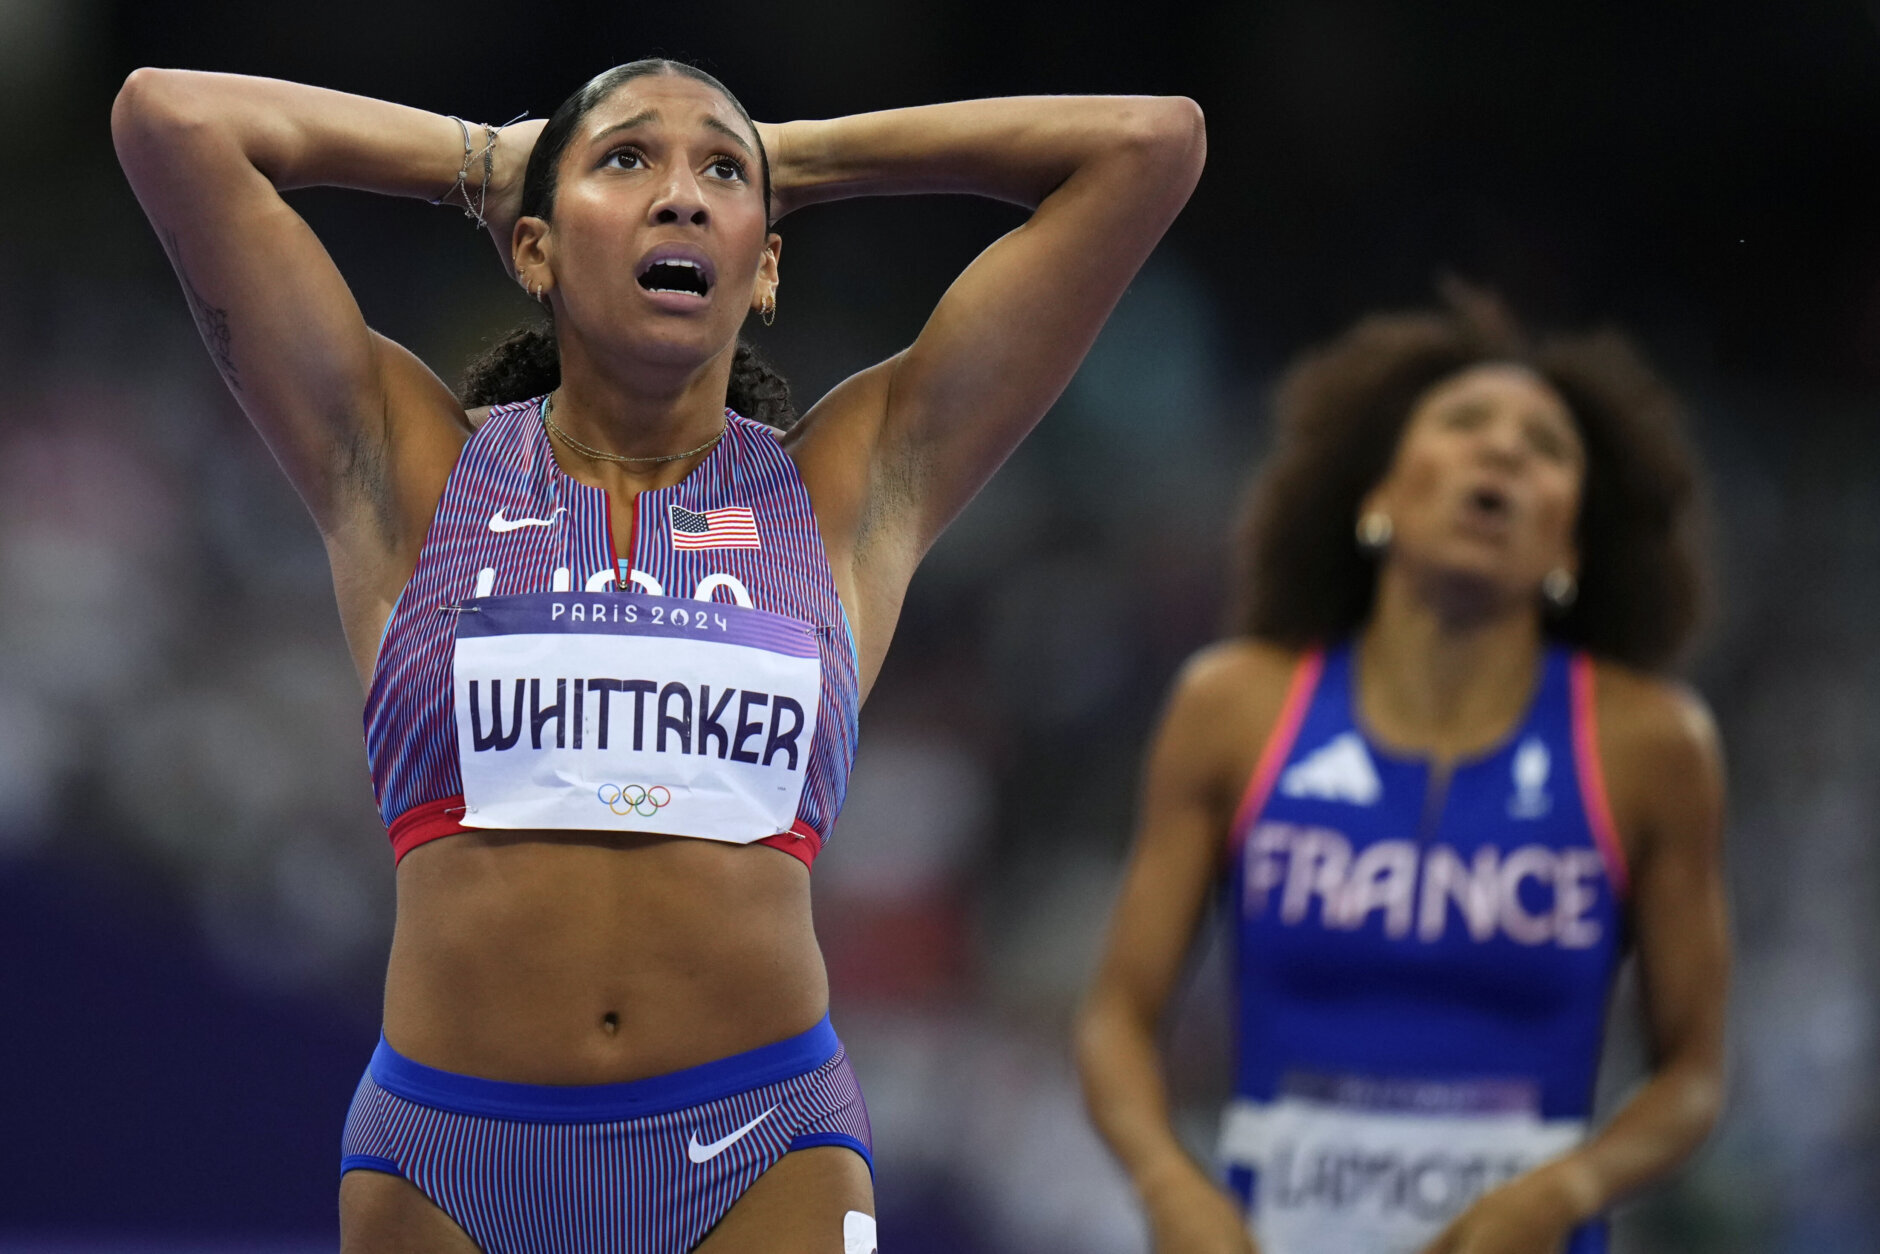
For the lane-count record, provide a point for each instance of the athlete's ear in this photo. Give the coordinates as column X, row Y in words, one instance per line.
column 531, row 253
column 764, row 287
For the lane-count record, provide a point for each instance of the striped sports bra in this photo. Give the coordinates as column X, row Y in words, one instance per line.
column 705, row 683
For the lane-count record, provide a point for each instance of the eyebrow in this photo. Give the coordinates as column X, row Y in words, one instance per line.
column 714, row 124
column 652, row 115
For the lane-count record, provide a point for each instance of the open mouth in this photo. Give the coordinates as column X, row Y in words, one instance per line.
column 1489, row 502
column 676, row 274
column 1488, row 510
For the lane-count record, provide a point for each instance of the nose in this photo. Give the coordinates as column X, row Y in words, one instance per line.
column 681, row 200
column 1501, row 440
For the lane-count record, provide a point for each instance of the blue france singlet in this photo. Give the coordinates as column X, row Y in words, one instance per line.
column 1423, row 965
column 704, row 683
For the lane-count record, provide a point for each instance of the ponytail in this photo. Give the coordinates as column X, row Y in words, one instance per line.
column 757, row 390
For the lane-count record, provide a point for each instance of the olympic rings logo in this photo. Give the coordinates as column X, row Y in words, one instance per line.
column 634, row 799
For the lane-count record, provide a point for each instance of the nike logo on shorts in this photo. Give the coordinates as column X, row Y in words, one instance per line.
column 705, row 1153
column 499, row 524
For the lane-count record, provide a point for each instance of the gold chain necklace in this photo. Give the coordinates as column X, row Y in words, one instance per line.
column 599, row 456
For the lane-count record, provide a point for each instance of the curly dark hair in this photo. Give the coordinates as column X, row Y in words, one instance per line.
column 527, row 362
column 1299, row 575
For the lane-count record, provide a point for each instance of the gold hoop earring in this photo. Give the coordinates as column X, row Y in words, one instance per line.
column 768, row 310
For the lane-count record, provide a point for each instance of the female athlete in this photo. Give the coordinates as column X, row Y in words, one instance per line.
column 1445, row 787
column 614, row 636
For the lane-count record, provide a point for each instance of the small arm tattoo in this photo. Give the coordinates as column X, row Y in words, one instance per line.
column 211, row 321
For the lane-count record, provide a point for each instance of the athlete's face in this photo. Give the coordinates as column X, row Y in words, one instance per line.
column 1486, row 481
column 659, row 242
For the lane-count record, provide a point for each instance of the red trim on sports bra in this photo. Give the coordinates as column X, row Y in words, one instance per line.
column 434, row 820
column 1279, row 745
column 801, row 841
column 1592, row 773
column 425, row 823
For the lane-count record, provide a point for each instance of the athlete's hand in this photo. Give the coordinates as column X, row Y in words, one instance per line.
column 1188, row 1215
column 509, row 160
column 1531, row 1214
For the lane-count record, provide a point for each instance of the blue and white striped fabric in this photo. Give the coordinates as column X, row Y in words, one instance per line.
column 511, row 522
column 646, row 1167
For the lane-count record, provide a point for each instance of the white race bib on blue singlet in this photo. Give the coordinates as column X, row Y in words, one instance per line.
column 633, row 714
column 1357, row 1166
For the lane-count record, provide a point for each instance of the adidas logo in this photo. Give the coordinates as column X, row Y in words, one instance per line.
column 1341, row 771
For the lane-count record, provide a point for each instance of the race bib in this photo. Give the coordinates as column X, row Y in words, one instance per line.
column 1351, row 1165
column 633, row 714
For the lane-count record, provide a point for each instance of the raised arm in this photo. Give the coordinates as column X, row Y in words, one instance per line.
column 366, row 433
column 1221, row 712
column 894, row 453
column 1666, row 771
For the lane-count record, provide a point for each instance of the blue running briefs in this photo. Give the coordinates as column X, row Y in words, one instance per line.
column 645, row 1167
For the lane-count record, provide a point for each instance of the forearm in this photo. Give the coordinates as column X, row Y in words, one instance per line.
column 1121, row 1068
column 1650, row 1136
column 1017, row 149
column 295, row 135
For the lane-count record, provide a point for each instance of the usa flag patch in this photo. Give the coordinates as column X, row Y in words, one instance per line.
column 733, row 527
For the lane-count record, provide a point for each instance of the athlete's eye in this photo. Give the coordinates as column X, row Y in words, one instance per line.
column 624, row 158
column 727, row 167
column 1550, row 442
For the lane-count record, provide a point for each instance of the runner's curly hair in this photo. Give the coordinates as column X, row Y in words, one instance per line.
column 1299, row 576
column 527, row 362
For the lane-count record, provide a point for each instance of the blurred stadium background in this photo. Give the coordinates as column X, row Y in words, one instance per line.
column 196, row 896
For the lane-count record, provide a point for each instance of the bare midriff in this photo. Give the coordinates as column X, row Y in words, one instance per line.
column 590, row 958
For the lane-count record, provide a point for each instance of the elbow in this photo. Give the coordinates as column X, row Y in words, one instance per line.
column 147, row 96
column 156, row 109
column 1170, row 134
column 1179, row 121
column 1088, row 1033
column 1174, row 124
column 1094, row 1032
column 1693, row 1095
column 1703, row 1104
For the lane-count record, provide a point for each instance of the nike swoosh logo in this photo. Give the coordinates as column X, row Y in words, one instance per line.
column 499, row 524
column 705, row 1153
